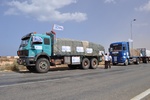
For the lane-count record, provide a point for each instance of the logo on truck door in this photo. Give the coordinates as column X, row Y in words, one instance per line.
column 38, row 47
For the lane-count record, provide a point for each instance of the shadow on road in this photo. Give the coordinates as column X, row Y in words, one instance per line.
column 51, row 69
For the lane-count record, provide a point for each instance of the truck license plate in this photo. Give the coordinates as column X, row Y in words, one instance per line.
column 115, row 59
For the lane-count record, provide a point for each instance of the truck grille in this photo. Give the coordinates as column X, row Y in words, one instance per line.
column 22, row 53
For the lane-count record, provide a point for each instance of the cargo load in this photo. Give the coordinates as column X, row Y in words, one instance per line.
column 135, row 52
column 75, row 47
column 148, row 53
column 144, row 52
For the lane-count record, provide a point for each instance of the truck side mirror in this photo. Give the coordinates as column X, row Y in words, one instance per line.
column 32, row 46
column 109, row 49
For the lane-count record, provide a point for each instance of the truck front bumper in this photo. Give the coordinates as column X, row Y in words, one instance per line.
column 117, row 60
column 26, row 61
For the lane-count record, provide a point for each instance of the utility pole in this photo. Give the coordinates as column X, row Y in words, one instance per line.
column 132, row 36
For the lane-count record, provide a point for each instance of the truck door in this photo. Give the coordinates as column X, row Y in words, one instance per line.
column 47, row 46
column 36, row 45
column 125, row 51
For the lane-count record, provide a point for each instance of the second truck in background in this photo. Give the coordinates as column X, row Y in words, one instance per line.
column 121, row 53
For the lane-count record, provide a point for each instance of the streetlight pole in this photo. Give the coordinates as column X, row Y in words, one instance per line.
column 132, row 36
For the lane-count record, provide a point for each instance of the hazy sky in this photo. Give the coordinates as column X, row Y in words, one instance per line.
column 99, row 21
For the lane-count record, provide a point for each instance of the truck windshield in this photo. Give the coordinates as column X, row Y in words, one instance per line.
column 115, row 48
column 24, row 42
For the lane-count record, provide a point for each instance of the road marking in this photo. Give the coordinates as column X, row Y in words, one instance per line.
column 142, row 95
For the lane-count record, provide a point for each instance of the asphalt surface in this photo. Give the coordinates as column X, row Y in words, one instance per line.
column 117, row 83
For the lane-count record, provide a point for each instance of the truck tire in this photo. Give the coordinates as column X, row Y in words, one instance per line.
column 114, row 63
column 94, row 63
column 146, row 60
column 85, row 63
column 137, row 61
column 31, row 68
column 42, row 65
column 126, row 62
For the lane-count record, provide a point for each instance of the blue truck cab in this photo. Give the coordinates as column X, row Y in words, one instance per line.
column 120, row 52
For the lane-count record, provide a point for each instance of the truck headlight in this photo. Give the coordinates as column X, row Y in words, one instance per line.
column 124, row 57
column 124, row 53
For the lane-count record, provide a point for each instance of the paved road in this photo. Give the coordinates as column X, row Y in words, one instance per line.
column 118, row 83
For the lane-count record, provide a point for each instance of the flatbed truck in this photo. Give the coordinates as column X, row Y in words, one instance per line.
column 121, row 53
column 40, row 51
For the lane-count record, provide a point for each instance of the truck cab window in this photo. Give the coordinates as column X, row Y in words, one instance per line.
column 116, row 47
column 46, row 41
column 124, row 48
column 24, row 42
column 37, row 40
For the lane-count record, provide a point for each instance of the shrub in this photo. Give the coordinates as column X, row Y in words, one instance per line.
column 15, row 66
column 4, row 59
column 12, row 67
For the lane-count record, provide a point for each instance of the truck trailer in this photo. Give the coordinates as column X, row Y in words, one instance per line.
column 40, row 51
column 121, row 53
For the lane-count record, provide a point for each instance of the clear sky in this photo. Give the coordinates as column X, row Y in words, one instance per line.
column 99, row 21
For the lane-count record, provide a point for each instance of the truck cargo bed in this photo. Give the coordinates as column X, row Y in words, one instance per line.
column 75, row 47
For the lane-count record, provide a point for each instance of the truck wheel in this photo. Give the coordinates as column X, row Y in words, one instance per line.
column 31, row 68
column 137, row 61
column 42, row 65
column 94, row 63
column 114, row 63
column 126, row 62
column 146, row 61
column 85, row 63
